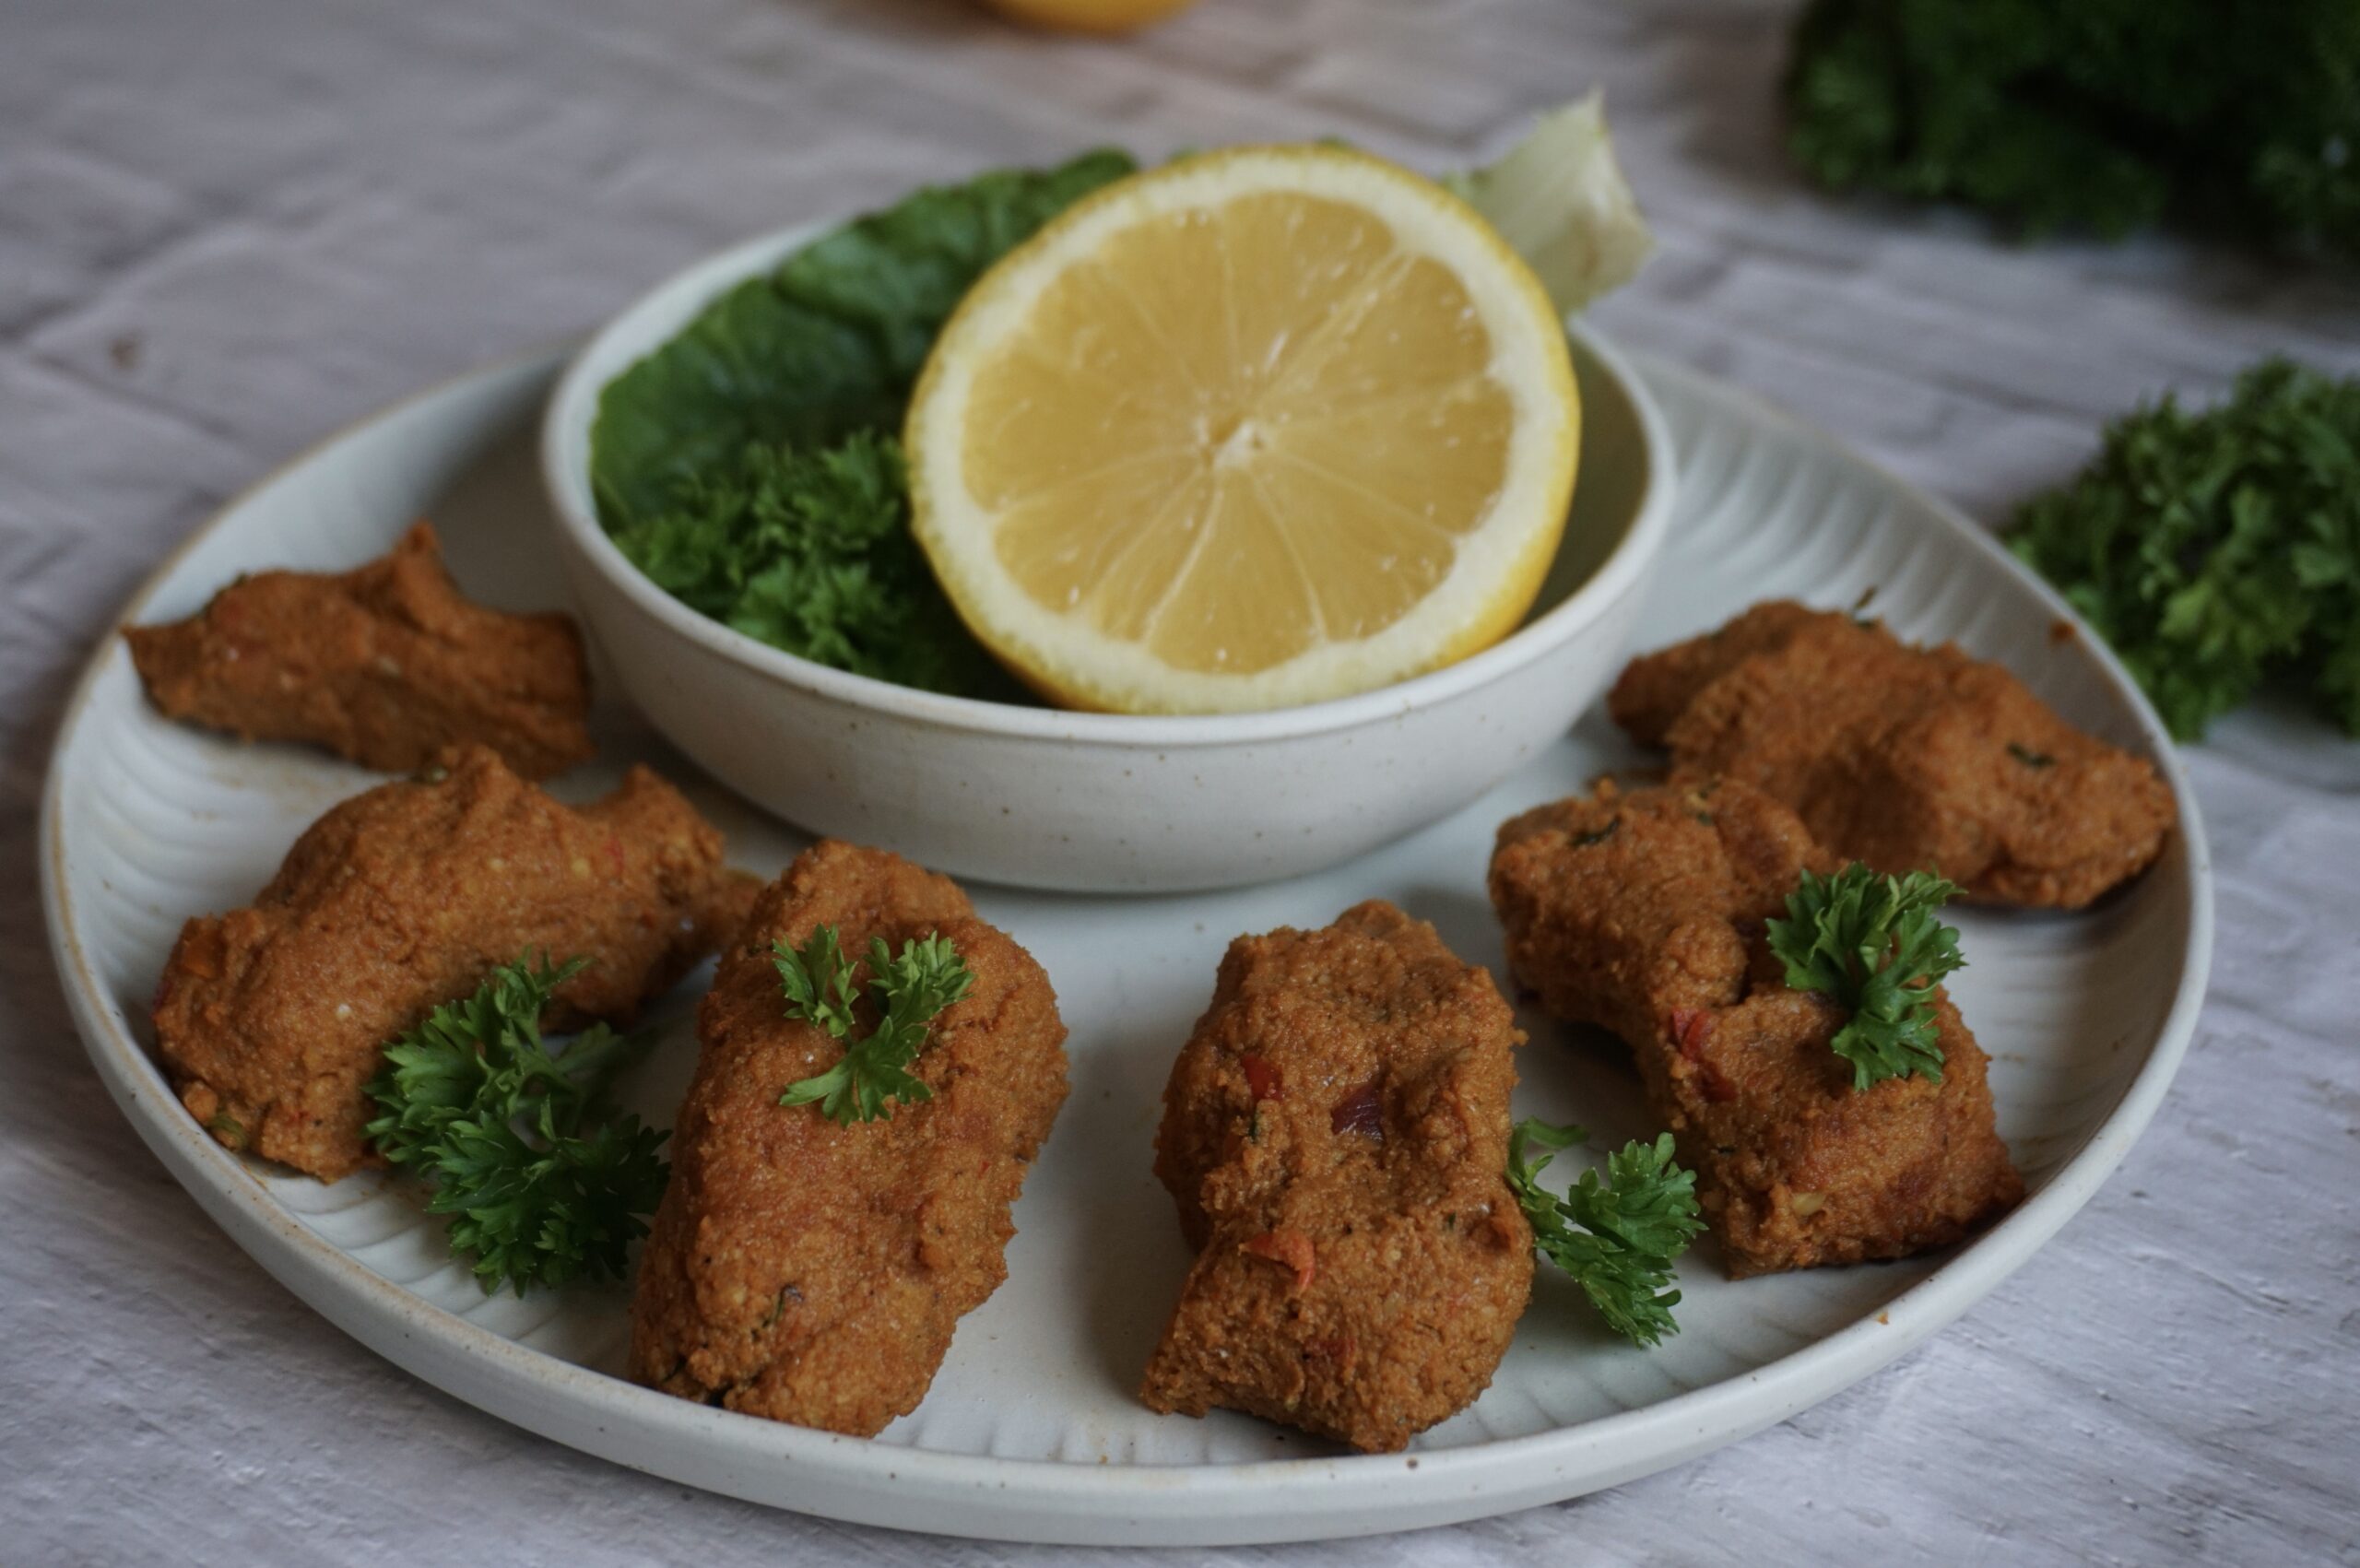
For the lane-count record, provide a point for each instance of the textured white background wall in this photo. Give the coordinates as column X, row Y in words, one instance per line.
column 229, row 227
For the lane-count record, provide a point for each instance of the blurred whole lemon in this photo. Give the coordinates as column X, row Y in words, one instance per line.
column 1090, row 16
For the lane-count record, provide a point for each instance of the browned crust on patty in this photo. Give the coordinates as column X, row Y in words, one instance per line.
column 1335, row 1138
column 1906, row 759
column 1643, row 913
column 272, row 1018
column 814, row 1273
column 384, row 665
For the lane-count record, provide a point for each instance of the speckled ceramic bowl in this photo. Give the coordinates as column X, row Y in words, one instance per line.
column 1094, row 802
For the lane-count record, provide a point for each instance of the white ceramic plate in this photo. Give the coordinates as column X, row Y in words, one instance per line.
column 1031, row 1430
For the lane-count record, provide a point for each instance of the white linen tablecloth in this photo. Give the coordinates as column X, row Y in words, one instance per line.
column 229, row 227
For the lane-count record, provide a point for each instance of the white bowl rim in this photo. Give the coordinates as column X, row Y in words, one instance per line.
column 574, row 402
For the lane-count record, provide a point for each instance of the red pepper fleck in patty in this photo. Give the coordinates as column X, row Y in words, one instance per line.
column 1292, row 1249
column 1689, row 1029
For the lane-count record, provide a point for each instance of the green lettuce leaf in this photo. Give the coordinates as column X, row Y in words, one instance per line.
column 828, row 344
column 749, row 467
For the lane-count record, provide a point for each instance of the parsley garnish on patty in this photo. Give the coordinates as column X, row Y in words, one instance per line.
column 1873, row 945
column 911, row 991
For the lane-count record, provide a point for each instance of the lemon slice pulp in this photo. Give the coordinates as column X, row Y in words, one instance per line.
column 1261, row 427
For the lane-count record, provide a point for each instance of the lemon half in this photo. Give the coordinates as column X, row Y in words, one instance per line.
column 1258, row 428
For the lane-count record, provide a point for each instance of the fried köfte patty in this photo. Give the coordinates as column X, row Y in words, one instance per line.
column 1335, row 1135
column 1621, row 908
column 1908, row 759
column 270, row 1020
column 1643, row 913
column 386, row 664
column 814, row 1273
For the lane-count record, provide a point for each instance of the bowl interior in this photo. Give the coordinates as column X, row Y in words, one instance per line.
column 1621, row 465
column 1622, row 505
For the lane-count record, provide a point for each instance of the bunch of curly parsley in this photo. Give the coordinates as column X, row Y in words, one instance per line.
column 748, row 466
column 543, row 1183
column 2221, row 549
column 2096, row 116
column 811, row 551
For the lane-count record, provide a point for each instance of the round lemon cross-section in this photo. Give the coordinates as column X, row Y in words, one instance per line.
column 1258, row 428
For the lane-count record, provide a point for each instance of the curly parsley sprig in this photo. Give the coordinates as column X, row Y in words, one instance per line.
column 543, row 1185
column 912, row 990
column 1618, row 1238
column 1874, row 946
